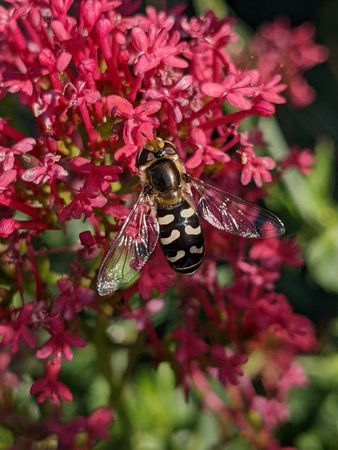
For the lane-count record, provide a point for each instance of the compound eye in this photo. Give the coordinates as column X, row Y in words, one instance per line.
column 169, row 148
column 144, row 157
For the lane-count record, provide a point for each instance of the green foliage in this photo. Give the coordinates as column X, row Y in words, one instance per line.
column 6, row 438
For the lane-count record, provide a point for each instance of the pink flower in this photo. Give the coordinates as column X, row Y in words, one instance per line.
column 175, row 97
column 155, row 48
column 82, row 204
column 280, row 48
column 228, row 364
column 72, row 299
column 256, row 167
column 210, row 399
column 270, row 91
column 139, row 124
column 96, row 178
column 257, row 275
column 294, row 377
column 303, row 160
column 7, row 179
column 60, row 341
column 18, row 328
column 20, row 82
column 273, row 412
column 8, row 154
column 236, row 89
column 275, row 252
column 98, row 422
column 190, row 346
column 8, row 226
column 204, row 154
column 49, row 387
column 45, row 170
column 142, row 315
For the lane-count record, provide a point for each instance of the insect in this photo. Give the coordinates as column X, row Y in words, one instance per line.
column 169, row 209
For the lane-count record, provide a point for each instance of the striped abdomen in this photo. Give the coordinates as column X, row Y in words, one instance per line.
column 181, row 236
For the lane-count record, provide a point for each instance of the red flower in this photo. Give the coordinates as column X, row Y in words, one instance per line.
column 269, row 310
column 236, row 89
column 204, row 154
column 8, row 226
column 155, row 48
column 7, row 179
column 97, row 423
column 273, row 412
column 280, row 48
column 8, row 154
column 175, row 97
column 142, row 315
column 96, row 178
column 18, row 328
column 45, row 170
column 72, row 299
column 303, row 160
column 259, row 276
column 82, row 204
column 228, row 364
column 60, row 341
column 190, row 346
column 49, row 386
column 299, row 334
column 139, row 124
column 255, row 167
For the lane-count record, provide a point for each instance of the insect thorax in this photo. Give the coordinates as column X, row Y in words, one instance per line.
column 165, row 180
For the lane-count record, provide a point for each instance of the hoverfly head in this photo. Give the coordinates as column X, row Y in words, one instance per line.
column 155, row 149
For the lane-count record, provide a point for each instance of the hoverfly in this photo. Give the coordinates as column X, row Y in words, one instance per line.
column 166, row 211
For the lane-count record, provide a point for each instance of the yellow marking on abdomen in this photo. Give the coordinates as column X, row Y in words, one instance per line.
column 175, row 234
column 165, row 220
column 195, row 249
column 187, row 212
column 190, row 230
column 178, row 256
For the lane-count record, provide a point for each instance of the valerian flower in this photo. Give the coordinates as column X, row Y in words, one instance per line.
column 18, row 329
column 7, row 155
column 97, row 84
column 302, row 159
column 256, row 167
column 60, row 341
column 50, row 386
column 280, row 48
column 45, row 170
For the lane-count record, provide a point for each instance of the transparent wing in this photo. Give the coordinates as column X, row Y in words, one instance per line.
column 230, row 213
column 131, row 249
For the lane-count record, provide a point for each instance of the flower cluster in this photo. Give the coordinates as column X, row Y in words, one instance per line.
column 279, row 48
column 95, row 85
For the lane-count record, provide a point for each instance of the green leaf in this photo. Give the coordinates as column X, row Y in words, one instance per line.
column 321, row 179
column 309, row 441
column 6, row 438
column 322, row 258
column 219, row 7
